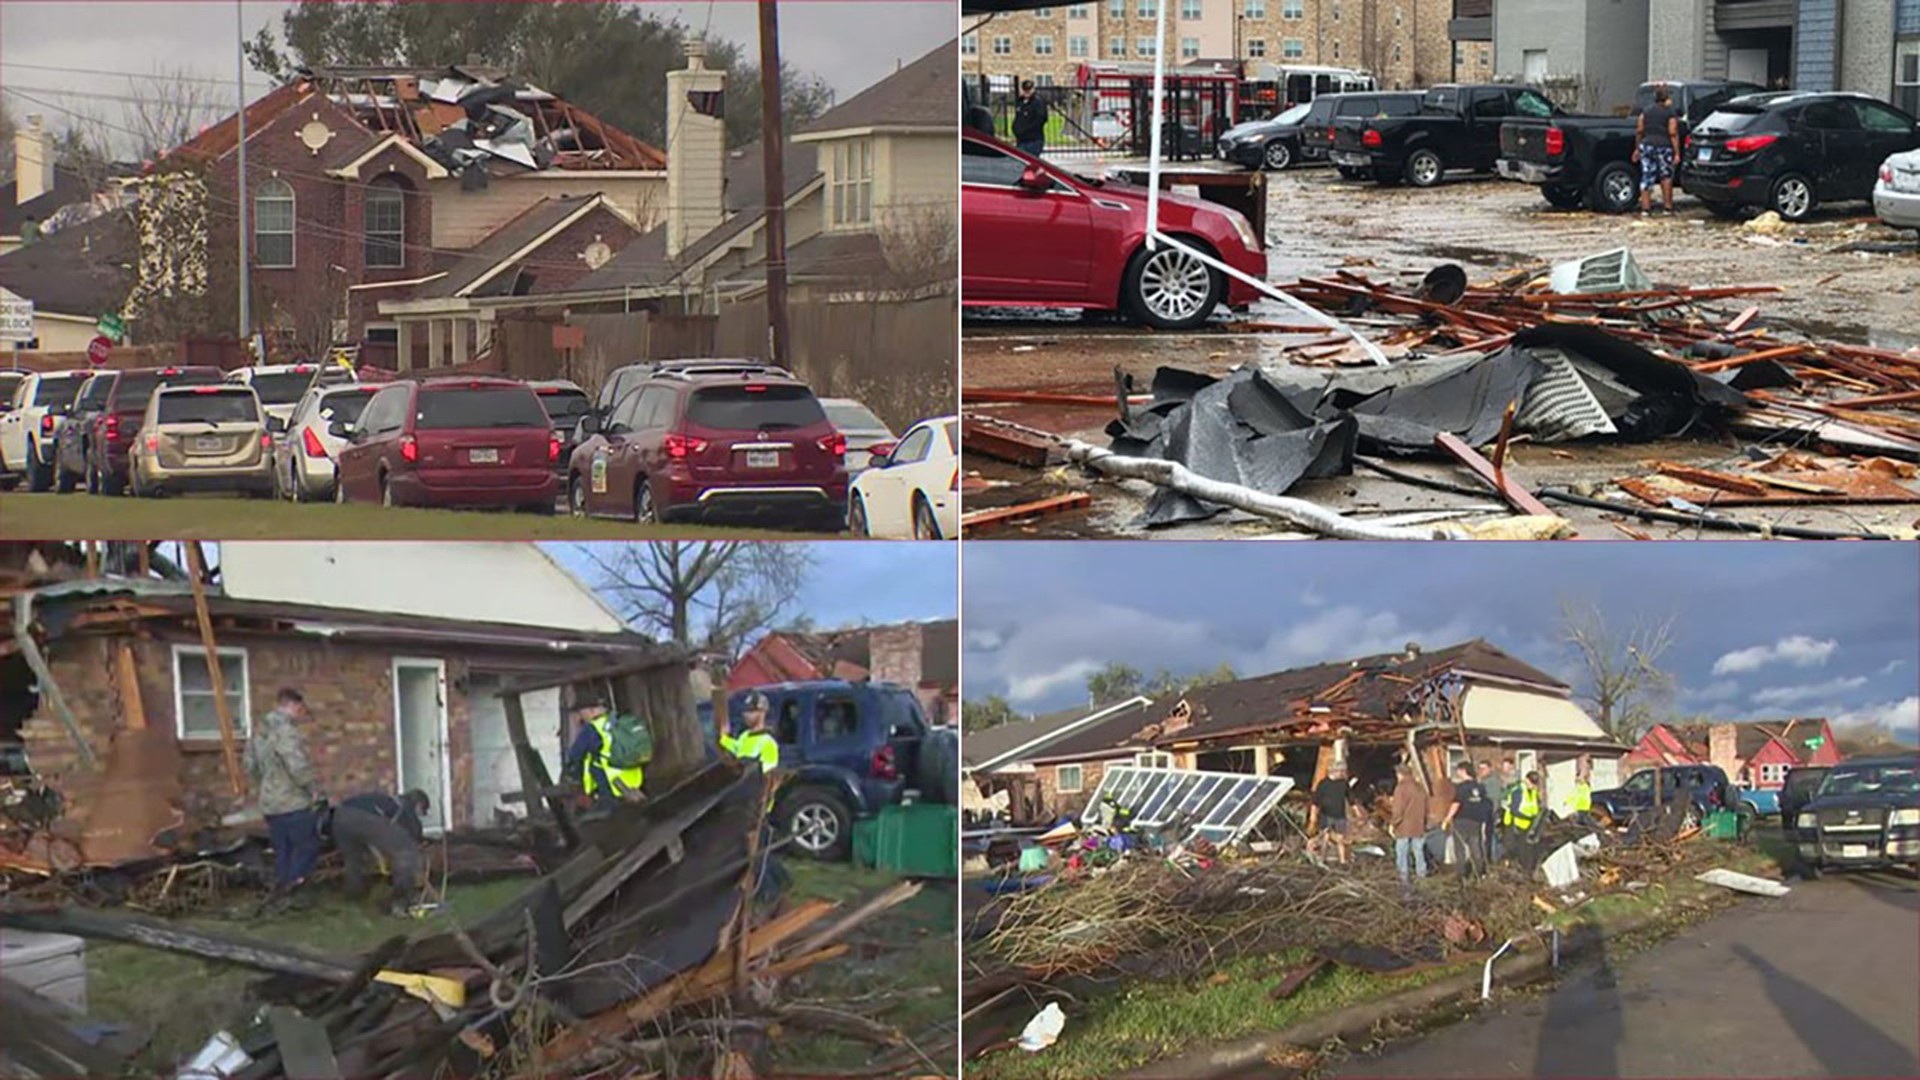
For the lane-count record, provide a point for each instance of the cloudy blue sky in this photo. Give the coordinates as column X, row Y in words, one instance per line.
column 1761, row 629
column 853, row 582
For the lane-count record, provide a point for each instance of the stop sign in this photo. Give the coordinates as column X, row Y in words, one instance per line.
column 99, row 349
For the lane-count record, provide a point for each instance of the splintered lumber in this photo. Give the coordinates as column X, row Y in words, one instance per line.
column 1297, row 978
column 178, row 938
column 982, row 396
column 1057, row 503
column 1783, row 352
column 1004, row 443
column 899, row 894
column 229, row 752
column 1509, row 489
column 1709, row 478
column 44, row 1036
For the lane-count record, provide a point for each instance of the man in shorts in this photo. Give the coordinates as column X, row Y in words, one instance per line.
column 1330, row 808
column 1656, row 148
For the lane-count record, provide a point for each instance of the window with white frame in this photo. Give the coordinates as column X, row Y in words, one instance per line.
column 1042, row 79
column 1145, row 46
column 852, row 182
column 385, row 226
column 1906, row 77
column 1773, row 774
column 1190, row 10
column 1077, row 46
column 194, row 716
column 1068, row 779
column 1257, row 48
column 1293, row 48
column 1147, row 9
column 1153, row 759
column 1043, row 45
column 1256, row 9
column 1044, row 13
column 1117, row 46
column 1116, row 9
column 970, row 45
column 1003, row 46
column 1336, row 50
column 1190, row 47
column 1080, row 11
column 1396, row 52
column 1336, row 10
column 273, row 224
column 1293, row 9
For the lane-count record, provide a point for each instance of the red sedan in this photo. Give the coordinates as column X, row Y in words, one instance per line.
column 1035, row 236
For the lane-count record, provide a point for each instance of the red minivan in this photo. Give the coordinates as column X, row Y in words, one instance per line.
column 710, row 441
column 460, row 442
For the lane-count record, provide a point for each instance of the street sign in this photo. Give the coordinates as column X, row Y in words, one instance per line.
column 98, row 350
column 111, row 326
column 1817, row 741
column 16, row 319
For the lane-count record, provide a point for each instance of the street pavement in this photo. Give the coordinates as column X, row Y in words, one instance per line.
column 1822, row 982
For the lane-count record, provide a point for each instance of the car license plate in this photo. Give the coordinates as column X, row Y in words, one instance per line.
column 488, row 456
column 1706, row 153
column 1854, row 851
column 763, row 459
column 208, row 444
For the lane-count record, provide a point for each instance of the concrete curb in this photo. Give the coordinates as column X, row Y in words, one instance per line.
column 1355, row 1021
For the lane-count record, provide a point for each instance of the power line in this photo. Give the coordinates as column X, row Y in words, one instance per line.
column 156, row 77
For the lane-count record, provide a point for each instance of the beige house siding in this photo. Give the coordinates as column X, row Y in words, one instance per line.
column 916, row 173
column 1499, row 710
column 462, row 219
column 58, row 333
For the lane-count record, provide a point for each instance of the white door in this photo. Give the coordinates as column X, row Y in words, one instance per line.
column 1534, row 61
column 420, row 735
column 903, row 478
column 495, row 770
column 1747, row 65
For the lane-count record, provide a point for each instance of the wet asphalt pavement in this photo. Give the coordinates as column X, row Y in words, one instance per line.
column 1822, row 982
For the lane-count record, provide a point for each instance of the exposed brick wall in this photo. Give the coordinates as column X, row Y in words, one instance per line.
column 894, row 654
column 348, row 687
column 1059, row 803
column 559, row 262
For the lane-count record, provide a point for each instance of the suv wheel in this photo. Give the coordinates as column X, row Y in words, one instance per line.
column 924, row 525
column 386, row 492
column 1424, row 168
column 857, row 517
column 63, row 481
column 39, row 473
column 643, row 508
column 1792, row 197
column 1169, row 289
column 1278, row 155
column 821, row 824
column 112, row 483
column 93, row 479
column 577, row 497
column 1615, row 189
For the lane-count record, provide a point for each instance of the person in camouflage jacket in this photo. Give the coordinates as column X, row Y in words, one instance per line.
column 284, row 785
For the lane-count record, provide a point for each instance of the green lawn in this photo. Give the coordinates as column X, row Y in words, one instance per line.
column 184, row 1000
column 902, row 970
column 216, row 517
column 1147, row 1021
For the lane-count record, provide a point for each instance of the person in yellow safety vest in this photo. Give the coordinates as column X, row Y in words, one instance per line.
column 1582, row 801
column 1522, row 818
column 587, row 761
column 754, row 742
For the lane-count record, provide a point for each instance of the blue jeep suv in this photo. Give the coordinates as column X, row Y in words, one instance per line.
column 852, row 748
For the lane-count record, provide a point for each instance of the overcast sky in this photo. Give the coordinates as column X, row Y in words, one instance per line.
column 1762, row 630
column 849, row 44
column 855, row 582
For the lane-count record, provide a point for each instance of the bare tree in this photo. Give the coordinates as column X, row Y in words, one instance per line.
column 708, row 595
column 1625, row 685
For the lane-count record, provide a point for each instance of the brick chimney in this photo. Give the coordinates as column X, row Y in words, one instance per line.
column 696, row 152
column 1723, row 749
column 893, row 653
column 32, row 160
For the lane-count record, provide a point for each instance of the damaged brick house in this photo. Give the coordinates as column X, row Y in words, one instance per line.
column 1469, row 700
column 1048, row 765
column 1755, row 755
column 924, row 656
column 373, row 184
column 399, row 654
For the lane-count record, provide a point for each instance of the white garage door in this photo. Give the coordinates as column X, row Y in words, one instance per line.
column 494, row 770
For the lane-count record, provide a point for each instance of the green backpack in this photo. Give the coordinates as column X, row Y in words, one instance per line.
column 632, row 742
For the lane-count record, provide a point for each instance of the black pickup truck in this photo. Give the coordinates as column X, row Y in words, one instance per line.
column 1457, row 127
column 1866, row 813
column 1577, row 160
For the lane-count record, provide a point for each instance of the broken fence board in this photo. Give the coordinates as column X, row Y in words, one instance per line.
column 174, row 937
column 1509, row 489
column 1056, row 504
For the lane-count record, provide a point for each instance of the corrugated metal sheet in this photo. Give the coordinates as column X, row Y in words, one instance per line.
column 1906, row 16
column 1753, row 14
column 1559, row 405
column 1816, row 45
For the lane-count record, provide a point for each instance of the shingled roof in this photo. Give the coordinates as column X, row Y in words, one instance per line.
column 922, row 94
column 83, row 269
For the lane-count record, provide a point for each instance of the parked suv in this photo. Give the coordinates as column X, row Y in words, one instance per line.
column 27, row 429
column 1790, row 152
column 462, row 442
column 1865, row 814
column 851, row 748
column 75, row 427
column 112, row 432
column 304, row 452
column 716, row 438
column 1705, row 786
column 203, row 438
column 1799, row 788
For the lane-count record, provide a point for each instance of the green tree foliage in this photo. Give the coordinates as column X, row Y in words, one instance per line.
column 609, row 58
column 1113, row 682
column 978, row 716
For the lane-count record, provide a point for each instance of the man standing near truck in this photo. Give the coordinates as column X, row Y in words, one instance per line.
column 1657, row 148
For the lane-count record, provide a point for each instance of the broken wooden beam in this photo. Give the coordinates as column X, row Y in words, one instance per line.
column 166, row 936
column 1709, row 478
column 981, row 435
column 1053, row 505
column 978, row 396
column 1508, row 489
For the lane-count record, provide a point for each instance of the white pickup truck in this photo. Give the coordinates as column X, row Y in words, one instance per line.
column 27, row 427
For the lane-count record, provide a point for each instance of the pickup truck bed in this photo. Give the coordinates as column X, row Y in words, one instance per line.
column 1457, row 128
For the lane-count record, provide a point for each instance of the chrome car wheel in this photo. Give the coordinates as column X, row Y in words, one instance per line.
column 1174, row 285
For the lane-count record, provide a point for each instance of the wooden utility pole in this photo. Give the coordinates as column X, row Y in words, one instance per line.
column 197, row 569
column 773, row 145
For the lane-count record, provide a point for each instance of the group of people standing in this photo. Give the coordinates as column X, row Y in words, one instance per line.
column 1493, row 814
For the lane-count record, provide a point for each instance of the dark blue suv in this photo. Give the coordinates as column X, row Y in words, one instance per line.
column 852, row 748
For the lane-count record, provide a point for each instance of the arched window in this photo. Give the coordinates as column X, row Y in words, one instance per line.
column 386, row 225
column 273, row 224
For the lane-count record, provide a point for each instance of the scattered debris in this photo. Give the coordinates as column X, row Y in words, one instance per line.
column 1044, row 1029
column 980, row 518
column 1746, row 883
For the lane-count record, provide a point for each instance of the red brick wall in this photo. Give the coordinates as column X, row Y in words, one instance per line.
column 1061, row 803
column 557, row 265
column 349, row 689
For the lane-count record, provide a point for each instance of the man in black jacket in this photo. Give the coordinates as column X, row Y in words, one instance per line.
column 376, row 830
column 1030, row 121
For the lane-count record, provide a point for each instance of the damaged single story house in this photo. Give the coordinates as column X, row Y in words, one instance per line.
column 399, row 649
column 1048, row 765
column 1471, row 700
column 923, row 656
column 1753, row 755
